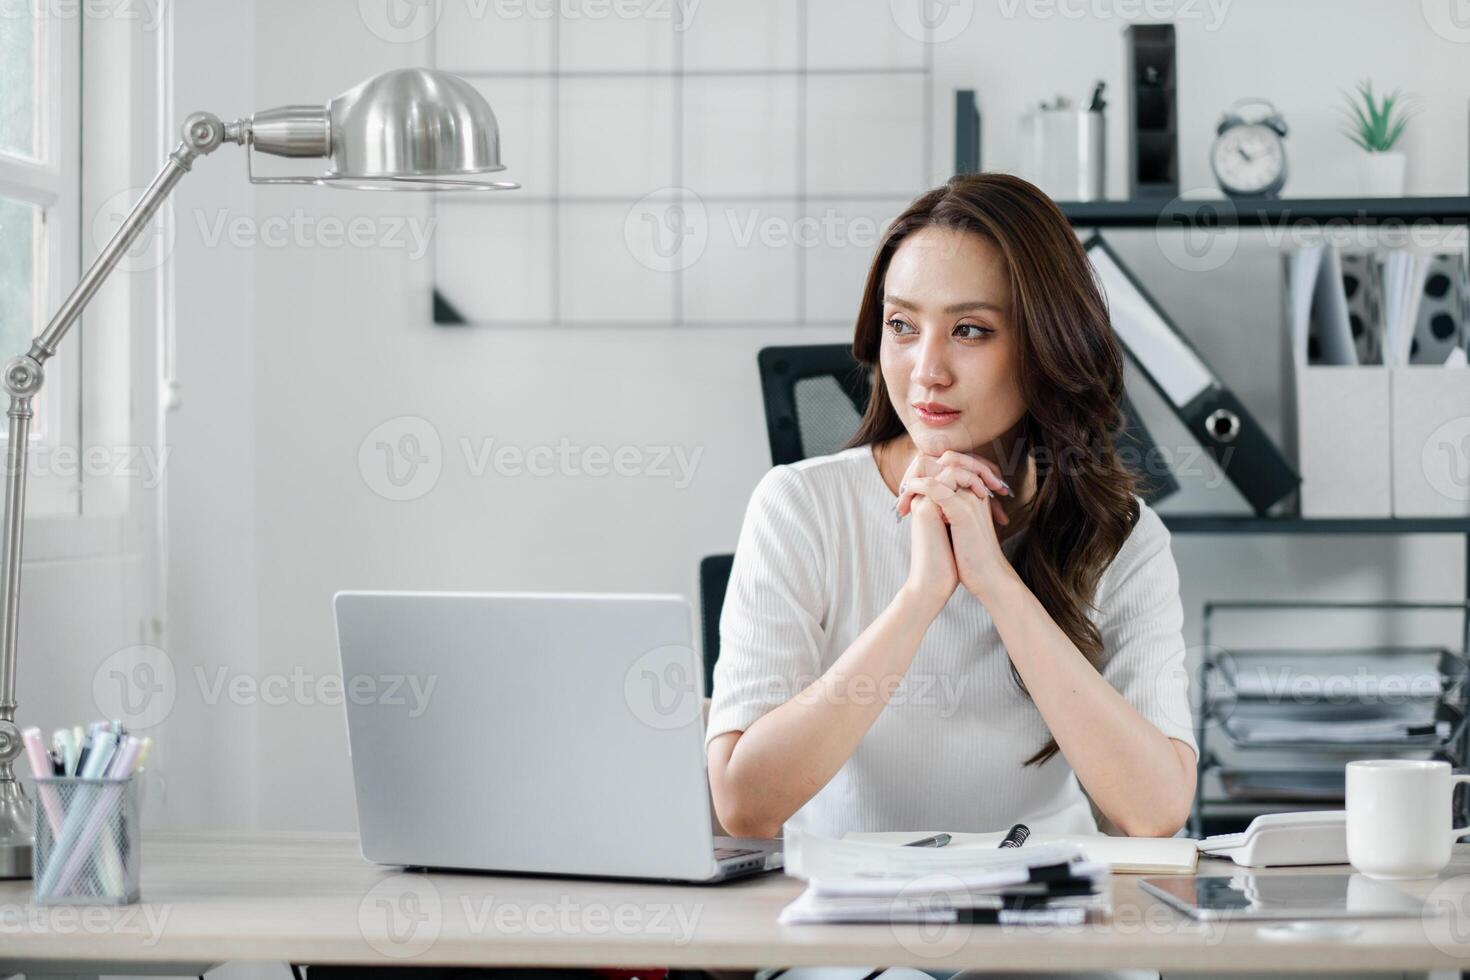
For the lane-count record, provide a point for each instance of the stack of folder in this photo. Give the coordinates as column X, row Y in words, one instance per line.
column 862, row 881
column 1291, row 718
column 1389, row 697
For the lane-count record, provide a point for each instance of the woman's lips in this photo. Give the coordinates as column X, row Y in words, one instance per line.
column 935, row 418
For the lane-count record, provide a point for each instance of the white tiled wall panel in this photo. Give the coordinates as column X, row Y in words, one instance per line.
column 616, row 135
column 683, row 162
column 494, row 260
column 740, row 135
column 600, row 278
column 748, row 272
column 742, row 35
column 869, row 34
column 493, row 37
column 865, row 134
column 621, row 35
column 836, row 271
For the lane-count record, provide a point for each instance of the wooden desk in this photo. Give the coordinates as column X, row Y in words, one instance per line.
column 211, row 898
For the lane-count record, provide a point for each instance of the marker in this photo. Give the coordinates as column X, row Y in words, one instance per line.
column 40, row 768
column 66, row 745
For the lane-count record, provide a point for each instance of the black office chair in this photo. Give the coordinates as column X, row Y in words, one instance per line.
column 714, row 577
column 815, row 395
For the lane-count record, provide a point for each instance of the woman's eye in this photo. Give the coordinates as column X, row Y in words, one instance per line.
column 976, row 331
column 896, row 325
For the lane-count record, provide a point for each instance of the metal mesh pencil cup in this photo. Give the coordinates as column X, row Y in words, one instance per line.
column 88, row 841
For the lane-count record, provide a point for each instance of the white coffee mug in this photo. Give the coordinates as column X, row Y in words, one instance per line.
column 1399, row 816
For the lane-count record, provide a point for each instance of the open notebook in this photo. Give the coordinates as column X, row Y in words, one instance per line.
column 1124, row 855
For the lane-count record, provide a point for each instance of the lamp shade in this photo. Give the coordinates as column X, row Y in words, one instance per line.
column 406, row 129
column 414, row 125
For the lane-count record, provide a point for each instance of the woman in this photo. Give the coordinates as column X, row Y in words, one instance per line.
column 966, row 618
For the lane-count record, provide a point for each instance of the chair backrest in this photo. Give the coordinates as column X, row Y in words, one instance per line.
column 815, row 395
column 714, row 577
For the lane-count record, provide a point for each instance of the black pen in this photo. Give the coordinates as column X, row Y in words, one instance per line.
column 1016, row 836
column 938, row 840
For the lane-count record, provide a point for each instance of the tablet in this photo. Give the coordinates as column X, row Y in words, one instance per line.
column 1284, row 896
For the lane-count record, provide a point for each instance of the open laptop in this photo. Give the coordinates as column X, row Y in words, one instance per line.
column 532, row 733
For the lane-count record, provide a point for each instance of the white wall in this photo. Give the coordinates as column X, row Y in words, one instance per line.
column 213, row 615
column 288, row 357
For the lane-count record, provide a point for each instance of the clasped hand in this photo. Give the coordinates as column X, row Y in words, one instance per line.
column 962, row 491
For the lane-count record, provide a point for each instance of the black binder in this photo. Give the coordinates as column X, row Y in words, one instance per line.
column 1213, row 414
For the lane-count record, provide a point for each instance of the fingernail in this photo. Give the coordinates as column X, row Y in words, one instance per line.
column 1005, row 486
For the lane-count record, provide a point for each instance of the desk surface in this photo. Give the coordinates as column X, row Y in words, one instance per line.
column 311, row 898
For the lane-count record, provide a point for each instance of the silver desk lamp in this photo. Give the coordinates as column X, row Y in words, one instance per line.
column 410, row 129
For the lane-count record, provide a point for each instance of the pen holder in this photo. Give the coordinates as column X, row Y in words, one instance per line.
column 1068, row 153
column 88, row 841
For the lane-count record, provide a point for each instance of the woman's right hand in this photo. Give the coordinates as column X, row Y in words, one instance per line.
column 933, row 576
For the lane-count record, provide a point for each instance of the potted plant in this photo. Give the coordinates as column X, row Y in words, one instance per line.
column 1375, row 123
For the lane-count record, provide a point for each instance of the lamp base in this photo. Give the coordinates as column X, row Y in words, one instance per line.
column 17, row 827
column 15, row 860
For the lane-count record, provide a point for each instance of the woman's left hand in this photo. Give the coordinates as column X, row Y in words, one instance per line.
column 965, row 489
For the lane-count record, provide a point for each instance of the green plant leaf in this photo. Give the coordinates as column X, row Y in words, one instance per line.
column 1395, row 133
column 1378, row 121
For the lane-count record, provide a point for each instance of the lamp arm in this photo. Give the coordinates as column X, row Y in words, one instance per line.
column 21, row 378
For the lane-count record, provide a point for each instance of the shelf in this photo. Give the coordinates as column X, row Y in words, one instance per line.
column 1226, row 212
column 1250, row 524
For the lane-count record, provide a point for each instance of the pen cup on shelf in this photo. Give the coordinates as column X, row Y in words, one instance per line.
column 1066, row 152
column 88, row 841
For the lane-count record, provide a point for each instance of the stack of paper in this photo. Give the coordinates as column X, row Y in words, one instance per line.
column 1122, row 855
column 863, row 881
column 1348, row 676
column 1273, row 730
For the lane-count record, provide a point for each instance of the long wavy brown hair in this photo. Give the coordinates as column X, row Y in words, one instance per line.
column 1071, row 380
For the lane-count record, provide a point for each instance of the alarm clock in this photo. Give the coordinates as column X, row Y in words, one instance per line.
column 1249, row 155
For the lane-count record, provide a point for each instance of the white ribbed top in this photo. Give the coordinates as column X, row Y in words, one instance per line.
column 820, row 556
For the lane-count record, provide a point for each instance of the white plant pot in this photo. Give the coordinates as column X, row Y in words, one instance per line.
column 1383, row 174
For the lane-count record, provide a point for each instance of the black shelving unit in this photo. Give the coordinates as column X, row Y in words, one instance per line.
column 1265, row 213
column 1205, row 214
column 1224, row 212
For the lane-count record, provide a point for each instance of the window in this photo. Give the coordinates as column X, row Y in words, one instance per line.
column 40, row 109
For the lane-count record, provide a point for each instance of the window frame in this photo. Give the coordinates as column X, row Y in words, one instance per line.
column 52, row 181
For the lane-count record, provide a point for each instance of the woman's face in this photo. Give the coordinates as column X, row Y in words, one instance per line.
column 949, row 355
